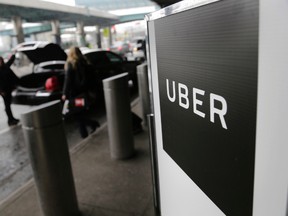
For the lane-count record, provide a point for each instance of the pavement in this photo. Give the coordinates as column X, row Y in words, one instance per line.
column 104, row 186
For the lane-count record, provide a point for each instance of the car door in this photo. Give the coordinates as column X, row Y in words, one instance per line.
column 106, row 63
column 115, row 64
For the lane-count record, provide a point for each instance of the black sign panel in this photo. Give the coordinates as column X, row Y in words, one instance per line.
column 207, row 63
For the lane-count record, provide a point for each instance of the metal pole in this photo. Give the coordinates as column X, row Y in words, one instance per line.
column 154, row 164
column 287, row 206
column 143, row 87
column 49, row 155
column 119, row 117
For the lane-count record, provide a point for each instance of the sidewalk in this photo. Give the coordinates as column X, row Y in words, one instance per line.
column 105, row 187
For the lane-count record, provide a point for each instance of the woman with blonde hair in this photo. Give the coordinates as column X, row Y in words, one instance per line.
column 75, row 84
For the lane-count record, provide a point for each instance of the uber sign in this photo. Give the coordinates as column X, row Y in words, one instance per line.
column 207, row 61
column 183, row 96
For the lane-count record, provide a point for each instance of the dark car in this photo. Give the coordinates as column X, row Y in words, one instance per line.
column 35, row 63
column 106, row 64
column 43, row 67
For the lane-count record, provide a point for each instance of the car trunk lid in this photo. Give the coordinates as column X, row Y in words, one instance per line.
column 42, row 52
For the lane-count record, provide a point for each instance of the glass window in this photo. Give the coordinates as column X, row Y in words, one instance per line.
column 113, row 58
column 97, row 58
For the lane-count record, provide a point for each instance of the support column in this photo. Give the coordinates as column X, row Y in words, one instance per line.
column 80, row 34
column 98, row 37
column 33, row 37
column 56, row 33
column 106, row 37
column 18, row 30
column 110, row 36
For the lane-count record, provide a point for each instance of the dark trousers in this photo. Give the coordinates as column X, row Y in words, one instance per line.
column 84, row 122
column 7, row 97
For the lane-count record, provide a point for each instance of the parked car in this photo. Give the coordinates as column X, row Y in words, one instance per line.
column 106, row 64
column 38, row 62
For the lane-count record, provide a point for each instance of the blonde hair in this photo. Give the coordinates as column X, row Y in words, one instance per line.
column 74, row 56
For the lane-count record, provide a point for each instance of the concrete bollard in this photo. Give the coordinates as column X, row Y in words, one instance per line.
column 143, row 87
column 49, row 156
column 119, row 117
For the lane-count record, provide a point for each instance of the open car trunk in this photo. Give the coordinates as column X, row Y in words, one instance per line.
column 37, row 80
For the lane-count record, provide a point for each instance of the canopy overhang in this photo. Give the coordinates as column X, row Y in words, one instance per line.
column 39, row 11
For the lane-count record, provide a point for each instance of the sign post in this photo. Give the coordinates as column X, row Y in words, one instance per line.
column 204, row 62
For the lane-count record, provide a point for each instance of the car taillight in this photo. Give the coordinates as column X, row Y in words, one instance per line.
column 52, row 84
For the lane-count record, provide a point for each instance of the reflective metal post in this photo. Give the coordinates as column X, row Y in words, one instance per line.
column 119, row 117
column 143, row 87
column 154, row 164
column 287, row 206
column 49, row 155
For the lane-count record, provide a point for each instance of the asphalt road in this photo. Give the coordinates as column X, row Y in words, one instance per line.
column 15, row 169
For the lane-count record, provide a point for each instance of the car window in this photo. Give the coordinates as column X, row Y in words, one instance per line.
column 48, row 67
column 113, row 58
column 97, row 58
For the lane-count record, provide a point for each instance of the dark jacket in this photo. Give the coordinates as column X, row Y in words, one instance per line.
column 8, row 80
column 75, row 80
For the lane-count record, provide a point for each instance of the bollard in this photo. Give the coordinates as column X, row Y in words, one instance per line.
column 119, row 117
column 143, row 88
column 49, row 156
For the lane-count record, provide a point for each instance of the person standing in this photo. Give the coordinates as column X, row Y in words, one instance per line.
column 8, row 81
column 75, row 84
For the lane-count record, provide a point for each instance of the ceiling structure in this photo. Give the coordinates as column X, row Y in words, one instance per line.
column 127, row 10
column 90, row 12
column 39, row 11
column 134, row 6
column 124, row 4
column 110, row 5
